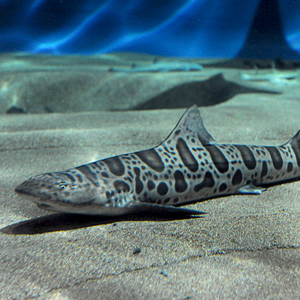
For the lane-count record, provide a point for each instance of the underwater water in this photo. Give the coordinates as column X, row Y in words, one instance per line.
column 85, row 81
column 185, row 28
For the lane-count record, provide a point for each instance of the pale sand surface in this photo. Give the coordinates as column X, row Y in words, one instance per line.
column 245, row 247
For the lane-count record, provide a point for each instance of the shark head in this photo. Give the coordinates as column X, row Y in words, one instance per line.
column 58, row 192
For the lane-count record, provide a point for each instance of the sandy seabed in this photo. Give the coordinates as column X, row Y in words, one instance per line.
column 60, row 112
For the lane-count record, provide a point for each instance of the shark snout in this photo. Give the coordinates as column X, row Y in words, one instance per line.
column 34, row 185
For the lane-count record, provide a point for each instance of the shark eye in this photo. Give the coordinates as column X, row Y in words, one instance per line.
column 62, row 185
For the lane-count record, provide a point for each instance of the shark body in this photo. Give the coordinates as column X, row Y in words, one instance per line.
column 187, row 166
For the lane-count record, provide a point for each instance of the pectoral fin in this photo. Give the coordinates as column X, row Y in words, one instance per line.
column 251, row 189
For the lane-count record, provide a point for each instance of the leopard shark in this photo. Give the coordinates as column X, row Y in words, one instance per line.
column 188, row 166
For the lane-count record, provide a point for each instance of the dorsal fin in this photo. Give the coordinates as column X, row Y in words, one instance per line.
column 191, row 123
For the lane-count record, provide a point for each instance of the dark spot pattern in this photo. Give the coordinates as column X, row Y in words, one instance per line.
column 121, row 186
column 237, row 177
column 208, row 181
column 218, row 158
column 115, row 165
column 175, row 200
column 222, row 187
column 150, row 185
column 139, row 186
column 151, row 158
column 180, row 183
column 186, row 156
column 104, row 174
column 166, row 200
column 289, row 167
column 162, row 188
column 247, row 156
column 276, row 157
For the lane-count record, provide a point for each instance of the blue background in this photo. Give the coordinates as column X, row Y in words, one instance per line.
column 186, row 28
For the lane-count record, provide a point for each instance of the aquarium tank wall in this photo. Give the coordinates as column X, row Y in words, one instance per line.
column 182, row 28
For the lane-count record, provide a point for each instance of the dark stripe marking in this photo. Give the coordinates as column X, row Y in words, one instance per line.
column 151, row 158
column 276, row 157
column 180, row 183
column 218, row 158
column 295, row 143
column 247, row 156
column 70, row 176
column 89, row 174
column 237, row 177
column 139, row 186
column 186, row 156
column 115, row 165
column 208, row 181
column 162, row 189
column 264, row 170
column 79, row 177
